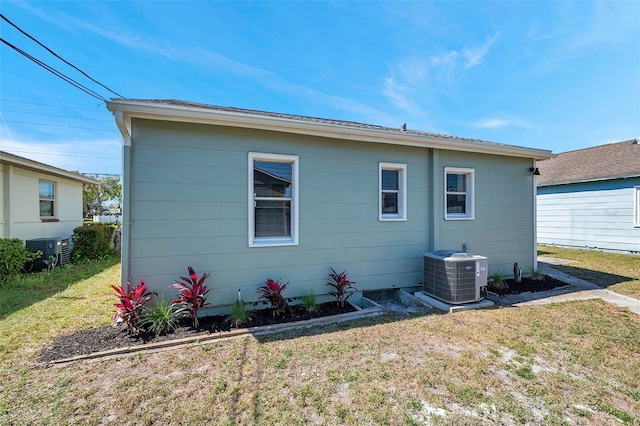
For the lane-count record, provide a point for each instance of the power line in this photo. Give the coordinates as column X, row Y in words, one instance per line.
column 59, row 154
column 58, row 125
column 55, row 115
column 58, row 56
column 55, row 72
column 54, row 106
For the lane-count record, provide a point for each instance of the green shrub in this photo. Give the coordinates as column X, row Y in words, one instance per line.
column 92, row 241
column 160, row 318
column 13, row 258
column 239, row 314
column 309, row 301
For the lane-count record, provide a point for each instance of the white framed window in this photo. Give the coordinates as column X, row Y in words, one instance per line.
column 273, row 199
column 393, row 191
column 636, row 207
column 459, row 193
column 47, row 199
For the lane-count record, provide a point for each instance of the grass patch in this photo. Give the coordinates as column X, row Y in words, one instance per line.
column 37, row 307
column 534, row 365
column 616, row 272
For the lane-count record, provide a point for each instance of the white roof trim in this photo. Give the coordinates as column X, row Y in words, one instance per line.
column 200, row 115
column 25, row 163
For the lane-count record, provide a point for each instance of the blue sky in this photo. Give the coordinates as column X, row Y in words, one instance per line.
column 553, row 75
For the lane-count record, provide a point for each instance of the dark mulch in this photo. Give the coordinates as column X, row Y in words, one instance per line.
column 115, row 336
column 527, row 285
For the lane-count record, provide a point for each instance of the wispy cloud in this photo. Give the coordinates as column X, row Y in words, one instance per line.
column 475, row 56
column 207, row 58
column 85, row 155
column 412, row 81
column 495, row 123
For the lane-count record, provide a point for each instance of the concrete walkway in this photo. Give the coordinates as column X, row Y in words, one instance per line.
column 577, row 289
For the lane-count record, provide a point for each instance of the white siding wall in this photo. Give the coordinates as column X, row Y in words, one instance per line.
column 25, row 210
column 595, row 215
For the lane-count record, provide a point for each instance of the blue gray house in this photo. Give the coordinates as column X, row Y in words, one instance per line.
column 590, row 198
column 248, row 195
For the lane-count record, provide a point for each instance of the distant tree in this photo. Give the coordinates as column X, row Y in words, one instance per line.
column 94, row 196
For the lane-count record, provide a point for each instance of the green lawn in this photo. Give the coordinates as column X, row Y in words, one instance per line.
column 616, row 272
column 569, row 363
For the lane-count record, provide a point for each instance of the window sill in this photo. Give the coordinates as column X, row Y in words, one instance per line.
column 273, row 242
column 459, row 218
column 392, row 218
column 47, row 220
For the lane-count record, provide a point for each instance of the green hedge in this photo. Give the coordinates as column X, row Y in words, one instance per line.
column 92, row 241
column 13, row 258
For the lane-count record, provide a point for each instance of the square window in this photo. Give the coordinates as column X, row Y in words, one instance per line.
column 393, row 191
column 273, row 200
column 459, row 194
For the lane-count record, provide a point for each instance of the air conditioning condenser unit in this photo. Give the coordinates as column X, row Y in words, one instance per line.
column 58, row 247
column 454, row 277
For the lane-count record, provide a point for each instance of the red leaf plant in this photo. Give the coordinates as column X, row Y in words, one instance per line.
column 271, row 291
column 131, row 303
column 343, row 288
column 192, row 295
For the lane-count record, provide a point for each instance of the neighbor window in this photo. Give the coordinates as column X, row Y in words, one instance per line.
column 393, row 191
column 273, row 199
column 636, row 208
column 459, row 193
column 47, row 199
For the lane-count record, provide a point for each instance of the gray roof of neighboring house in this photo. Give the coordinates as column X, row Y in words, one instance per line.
column 204, row 113
column 16, row 160
column 613, row 161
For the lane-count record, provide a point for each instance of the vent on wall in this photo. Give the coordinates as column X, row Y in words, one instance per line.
column 58, row 247
column 454, row 277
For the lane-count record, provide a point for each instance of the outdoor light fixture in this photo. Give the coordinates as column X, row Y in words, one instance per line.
column 534, row 171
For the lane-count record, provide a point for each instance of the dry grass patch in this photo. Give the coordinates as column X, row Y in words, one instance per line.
column 616, row 272
column 571, row 363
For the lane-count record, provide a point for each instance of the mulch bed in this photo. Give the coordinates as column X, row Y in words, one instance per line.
column 526, row 285
column 114, row 336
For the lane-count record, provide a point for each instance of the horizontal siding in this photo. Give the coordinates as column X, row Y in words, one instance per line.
column 189, row 183
column 504, row 213
column 596, row 215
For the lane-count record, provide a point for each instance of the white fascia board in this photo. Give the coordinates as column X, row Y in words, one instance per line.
column 194, row 114
column 25, row 163
column 571, row 182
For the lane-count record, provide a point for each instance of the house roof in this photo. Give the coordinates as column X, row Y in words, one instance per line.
column 176, row 110
column 25, row 163
column 613, row 161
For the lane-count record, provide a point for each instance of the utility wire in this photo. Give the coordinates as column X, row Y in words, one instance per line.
column 59, row 125
column 55, row 72
column 58, row 56
column 53, row 106
column 55, row 115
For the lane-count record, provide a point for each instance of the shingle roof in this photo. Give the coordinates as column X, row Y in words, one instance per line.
column 8, row 158
column 612, row 161
column 400, row 130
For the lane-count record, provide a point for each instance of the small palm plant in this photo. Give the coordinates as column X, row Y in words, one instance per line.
column 192, row 295
column 343, row 287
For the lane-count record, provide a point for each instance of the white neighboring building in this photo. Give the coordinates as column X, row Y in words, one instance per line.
column 38, row 200
column 590, row 198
